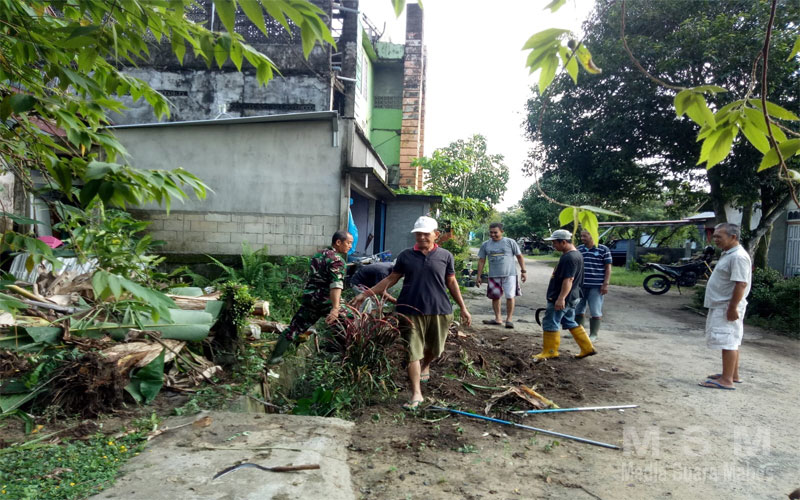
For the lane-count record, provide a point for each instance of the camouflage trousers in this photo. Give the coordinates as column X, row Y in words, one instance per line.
column 303, row 319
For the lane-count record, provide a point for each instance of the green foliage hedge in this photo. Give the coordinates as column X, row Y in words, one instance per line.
column 773, row 302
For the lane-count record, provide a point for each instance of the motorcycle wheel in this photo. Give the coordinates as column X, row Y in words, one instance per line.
column 657, row 284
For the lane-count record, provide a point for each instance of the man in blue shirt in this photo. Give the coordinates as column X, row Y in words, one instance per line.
column 596, row 275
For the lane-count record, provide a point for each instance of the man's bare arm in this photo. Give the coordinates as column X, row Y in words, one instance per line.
column 738, row 295
column 566, row 287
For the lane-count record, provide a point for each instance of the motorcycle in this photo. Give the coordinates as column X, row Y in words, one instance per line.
column 685, row 275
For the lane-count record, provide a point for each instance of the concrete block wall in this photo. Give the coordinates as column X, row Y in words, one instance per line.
column 216, row 233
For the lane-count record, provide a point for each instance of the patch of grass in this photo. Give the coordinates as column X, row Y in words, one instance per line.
column 548, row 448
column 74, row 469
column 544, row 257
column 625, row 277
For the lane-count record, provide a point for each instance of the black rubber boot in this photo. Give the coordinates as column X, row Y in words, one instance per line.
column 280, row 348
column 579, row 318
column 594, row 328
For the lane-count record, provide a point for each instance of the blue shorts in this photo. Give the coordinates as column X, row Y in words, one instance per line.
column 592, row 298
column 554, row 320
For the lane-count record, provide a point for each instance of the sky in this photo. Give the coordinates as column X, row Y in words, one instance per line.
column 477, row 82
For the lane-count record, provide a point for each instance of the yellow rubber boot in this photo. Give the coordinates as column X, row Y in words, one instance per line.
column 550, row 343
column 580, row 336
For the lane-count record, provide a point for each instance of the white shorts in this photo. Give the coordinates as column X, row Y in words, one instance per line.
column 504, row 286
column 724, row 334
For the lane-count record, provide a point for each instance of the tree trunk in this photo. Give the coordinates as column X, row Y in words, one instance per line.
column 762, row 251
column 747, row 218
column 769, row 214
column 717, row 197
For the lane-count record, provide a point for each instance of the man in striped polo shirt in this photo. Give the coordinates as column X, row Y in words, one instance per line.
column 596, row 274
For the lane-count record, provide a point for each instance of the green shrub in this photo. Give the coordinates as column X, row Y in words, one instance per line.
column 279, row 280
column 773, row 302
column 460, row 250
column 650, row 258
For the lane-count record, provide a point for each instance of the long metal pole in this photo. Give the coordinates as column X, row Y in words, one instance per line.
column 585, row 408
column 514, row 424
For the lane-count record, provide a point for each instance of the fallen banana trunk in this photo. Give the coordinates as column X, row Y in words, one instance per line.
column 188, row 325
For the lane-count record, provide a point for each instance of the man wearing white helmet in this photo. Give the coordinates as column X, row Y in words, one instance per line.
column 428, row 274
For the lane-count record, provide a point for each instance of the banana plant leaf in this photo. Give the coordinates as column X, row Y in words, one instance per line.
column 184, row 325
column 214, row 307
column 146, row 383
column 186, row 291
column 29, row 338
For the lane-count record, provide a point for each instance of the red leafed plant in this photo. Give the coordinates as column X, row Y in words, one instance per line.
column 361, row 338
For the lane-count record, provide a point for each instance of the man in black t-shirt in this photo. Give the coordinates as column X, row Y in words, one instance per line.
column 563, row 294
column 428, row 274
column 368, row 276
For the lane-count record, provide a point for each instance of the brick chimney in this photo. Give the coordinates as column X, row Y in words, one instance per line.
column 413, row 126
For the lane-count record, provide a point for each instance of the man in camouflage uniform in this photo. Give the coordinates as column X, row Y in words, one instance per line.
column 321, row 295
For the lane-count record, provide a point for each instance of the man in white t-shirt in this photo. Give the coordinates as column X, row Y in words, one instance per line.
column 503, row 282
column 726, row 301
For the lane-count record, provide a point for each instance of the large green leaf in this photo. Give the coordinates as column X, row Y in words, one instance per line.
column 45, row 334
column 146, row 383
column 756, row 137
column 183, row 325
column 29, row 338
column 555, row 5
column 543, row 38
column 255, row 12
column 795, row 48
column 775, row 111
column 567, row 216
column 226, row 10
column 20, row 219
column 788, row 148
column 588, row 222
column 549, row 67
column 399, row 5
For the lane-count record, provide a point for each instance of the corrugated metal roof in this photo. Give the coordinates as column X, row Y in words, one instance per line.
column 287, row 117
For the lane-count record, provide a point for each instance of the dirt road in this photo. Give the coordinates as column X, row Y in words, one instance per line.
column 684, row 441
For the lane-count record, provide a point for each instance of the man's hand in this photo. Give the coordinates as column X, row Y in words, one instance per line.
column 358, row 300
column 332, row 317
column 524, row 277
column 478, row 281
column 466, row 318
column 604, row 289
column 559, row 304
column 733, row 314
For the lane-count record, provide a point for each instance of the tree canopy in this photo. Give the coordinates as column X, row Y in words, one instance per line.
column 61, row 74
column 465, row 169
column 617, row 139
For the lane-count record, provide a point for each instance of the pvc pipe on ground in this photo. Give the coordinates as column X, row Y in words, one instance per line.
column 514, row 424
column 585, row 408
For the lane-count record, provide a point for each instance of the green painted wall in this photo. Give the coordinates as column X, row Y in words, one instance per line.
column 385, row 136
column 388, row 50
column 387, row 114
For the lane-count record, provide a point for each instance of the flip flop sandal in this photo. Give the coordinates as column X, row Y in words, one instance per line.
column 718, row 376
column 509, row 324
column 424, row 377
column 413, row 405
column 491, row 322
column 715, row 385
